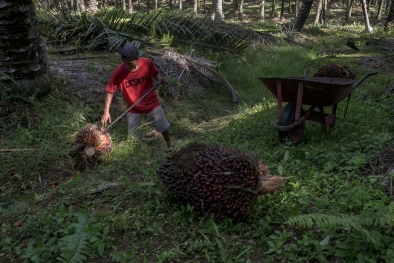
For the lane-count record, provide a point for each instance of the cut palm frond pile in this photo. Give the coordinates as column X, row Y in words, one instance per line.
column 190, row 72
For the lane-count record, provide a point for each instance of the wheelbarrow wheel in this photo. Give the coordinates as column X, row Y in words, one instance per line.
column 287, row 118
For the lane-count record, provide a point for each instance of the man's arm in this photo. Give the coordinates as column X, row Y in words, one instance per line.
column 158, row 78
column 106, row 116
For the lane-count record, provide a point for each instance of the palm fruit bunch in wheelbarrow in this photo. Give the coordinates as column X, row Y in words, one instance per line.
column 335, row 71
column 216, row 179
column 91, row 143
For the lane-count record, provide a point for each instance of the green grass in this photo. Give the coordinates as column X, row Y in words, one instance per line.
column 333, row 206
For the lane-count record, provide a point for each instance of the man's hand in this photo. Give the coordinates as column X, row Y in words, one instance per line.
column 106, row 117
column 163, row 81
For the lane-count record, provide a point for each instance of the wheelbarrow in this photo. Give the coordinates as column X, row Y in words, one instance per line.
column 314, row 93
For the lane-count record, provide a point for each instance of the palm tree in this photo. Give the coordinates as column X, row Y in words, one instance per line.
column 22, row 49
column 92, row 5
column 80, row 5
column 217, row 11
column 368, row 27
column 349, row 5
column 130, row 10
column 390, row 16
column 302, row 16
column 261, row 12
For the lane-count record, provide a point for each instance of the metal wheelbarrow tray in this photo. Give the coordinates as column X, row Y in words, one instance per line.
column 314, row 92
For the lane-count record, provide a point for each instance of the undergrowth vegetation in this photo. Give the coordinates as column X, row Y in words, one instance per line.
column 335, row 205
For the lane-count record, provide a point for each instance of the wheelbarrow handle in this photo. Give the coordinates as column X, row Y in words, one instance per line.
column 355, row 85
column 132, row 106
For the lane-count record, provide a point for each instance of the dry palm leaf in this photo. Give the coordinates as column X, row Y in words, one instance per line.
column 190, row 70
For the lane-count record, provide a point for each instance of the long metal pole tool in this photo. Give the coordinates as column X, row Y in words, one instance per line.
column 132, row 106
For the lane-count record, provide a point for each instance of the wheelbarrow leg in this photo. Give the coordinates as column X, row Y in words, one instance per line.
column 291, row 115
column 323, row 119
column 330, row 119
column 299, row 101
column 287, row 118
column 280, row 101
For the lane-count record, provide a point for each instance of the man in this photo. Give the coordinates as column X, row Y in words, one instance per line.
column 134, row 77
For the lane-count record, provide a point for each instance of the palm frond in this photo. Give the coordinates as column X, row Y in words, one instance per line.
column 116, row 26
column 206, row 69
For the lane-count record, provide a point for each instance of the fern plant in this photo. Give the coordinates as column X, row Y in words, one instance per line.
column 75, row 246
column 368, row 235
column 381, row 217
column 69, row 236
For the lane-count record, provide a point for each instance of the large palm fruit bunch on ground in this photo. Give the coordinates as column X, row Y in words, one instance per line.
column 335, row 71
column 91, row 143
column 216, row 179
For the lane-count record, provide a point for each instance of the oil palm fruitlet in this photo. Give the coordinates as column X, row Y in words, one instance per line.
column 216, row 179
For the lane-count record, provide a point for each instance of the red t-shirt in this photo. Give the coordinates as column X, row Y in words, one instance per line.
column 135, row 84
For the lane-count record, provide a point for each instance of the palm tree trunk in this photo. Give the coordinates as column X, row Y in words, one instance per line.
column 217, row 10
column 235, row 7
column 390, row 16
column 273, row 8
column 262, row 7
column 195, row 7
column 282, row 10
column 349, row 10
column 241, row 9
column 92, row 6
column 323, row 16
column 44, row 4
column 298, row 23
column 56, row 3
column 388, row 6
column 130, row 9
column 22, row 49
column 318, row 11
column 379, row 13
column 81, row 6
column 180, row 6
column 368, row 27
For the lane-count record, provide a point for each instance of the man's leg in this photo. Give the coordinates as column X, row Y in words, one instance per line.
column 133, row 124
column 167, row 138
column 160, row 123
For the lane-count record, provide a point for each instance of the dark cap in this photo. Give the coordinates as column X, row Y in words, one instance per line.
column 130, row 52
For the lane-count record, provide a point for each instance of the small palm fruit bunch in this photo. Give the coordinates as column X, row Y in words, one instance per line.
column 335, row 71
column 216, row 179
column 91, row 142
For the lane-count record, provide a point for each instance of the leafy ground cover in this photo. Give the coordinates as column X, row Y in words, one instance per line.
column 335, row 205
